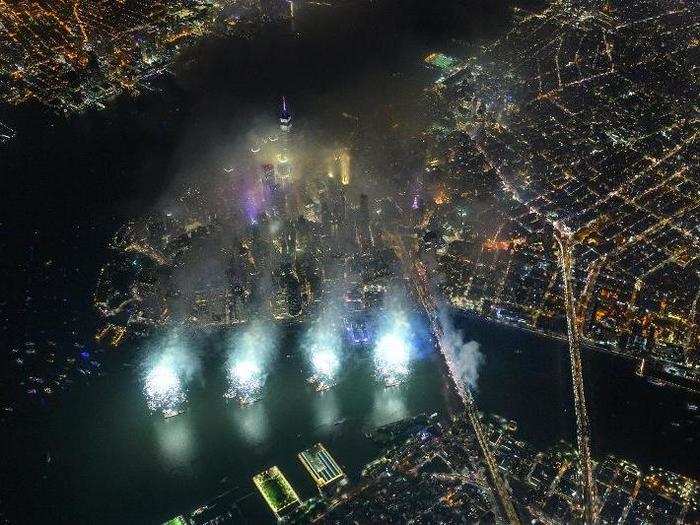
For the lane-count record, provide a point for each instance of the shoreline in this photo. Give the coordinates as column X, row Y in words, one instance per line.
column 655, row 363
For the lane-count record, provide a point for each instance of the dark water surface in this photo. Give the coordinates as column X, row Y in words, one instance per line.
column 115, row 461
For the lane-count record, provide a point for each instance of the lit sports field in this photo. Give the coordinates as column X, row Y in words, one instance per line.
column 276, row 490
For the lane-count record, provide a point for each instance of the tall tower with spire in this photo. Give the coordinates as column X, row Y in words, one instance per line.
column 284, row 168
column 285, row 116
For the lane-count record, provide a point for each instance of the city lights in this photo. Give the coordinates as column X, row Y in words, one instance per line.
column 310, row 234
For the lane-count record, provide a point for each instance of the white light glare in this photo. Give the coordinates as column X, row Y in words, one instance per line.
column 325, row 362
column 163, row 390
column 392, row 355
column 246, row 381
column 246, row 371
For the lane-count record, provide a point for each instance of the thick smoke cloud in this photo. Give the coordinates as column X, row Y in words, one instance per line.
column 464, row 355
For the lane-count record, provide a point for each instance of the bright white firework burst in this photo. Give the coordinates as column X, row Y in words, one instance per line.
column 246, row 382
column 164, row 390
column 325, row 365
column 392, row 355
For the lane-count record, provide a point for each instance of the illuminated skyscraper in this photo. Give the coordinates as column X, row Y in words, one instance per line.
column 267, row 178
column 284, row 169
column 344, row 161
column 285, row 117
column 294, row 299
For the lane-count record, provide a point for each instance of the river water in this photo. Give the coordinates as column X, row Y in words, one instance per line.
column 114, row 460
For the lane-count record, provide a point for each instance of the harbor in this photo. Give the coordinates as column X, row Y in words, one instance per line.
column 107, row 434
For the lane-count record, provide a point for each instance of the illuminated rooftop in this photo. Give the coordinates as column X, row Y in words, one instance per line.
column 321, row 465
column 178, row 520
column 440, row 61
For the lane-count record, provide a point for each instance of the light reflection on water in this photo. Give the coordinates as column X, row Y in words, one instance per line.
column 251, row 423
column 175, row 439
column 325, row 408
column 212, row 439
column 389, row 406
column 291, row 413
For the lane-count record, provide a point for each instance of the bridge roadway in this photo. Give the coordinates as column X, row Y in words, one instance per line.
column 421, row 284
column 583, row 438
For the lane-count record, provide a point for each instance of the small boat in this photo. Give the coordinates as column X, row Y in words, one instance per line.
column 170, row 412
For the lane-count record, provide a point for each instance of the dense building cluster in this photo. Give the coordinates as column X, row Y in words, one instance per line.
column 580, row 119
column 285, row 247
column 560, row 194
column 276, row 265
column 75, row 55
column 430, row 471
column 434, row 476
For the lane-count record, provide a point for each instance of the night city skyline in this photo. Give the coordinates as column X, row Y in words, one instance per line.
column 342, row 261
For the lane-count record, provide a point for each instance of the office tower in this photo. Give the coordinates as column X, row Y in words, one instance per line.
column 344, row 161
column 284, row 167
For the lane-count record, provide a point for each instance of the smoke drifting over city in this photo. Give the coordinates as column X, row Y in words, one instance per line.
column 279, row 222
column 260, row 255
column 257, row 342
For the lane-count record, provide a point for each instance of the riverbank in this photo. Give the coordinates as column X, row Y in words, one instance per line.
column 652, row 364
